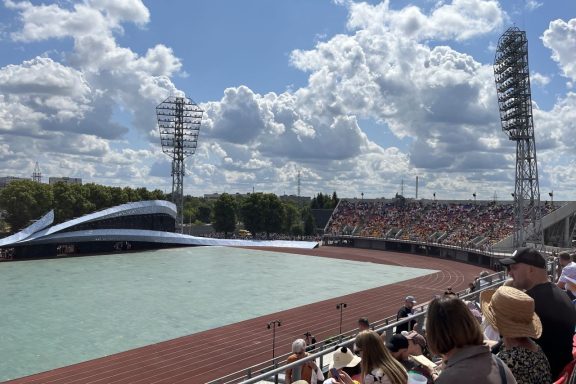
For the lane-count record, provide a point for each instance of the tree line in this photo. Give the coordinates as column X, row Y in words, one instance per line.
column 23, row 201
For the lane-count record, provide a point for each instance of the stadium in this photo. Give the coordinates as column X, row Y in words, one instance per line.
column 235, row 352
column 154, row 305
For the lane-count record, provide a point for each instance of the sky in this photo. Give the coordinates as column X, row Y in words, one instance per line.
column 360, row 98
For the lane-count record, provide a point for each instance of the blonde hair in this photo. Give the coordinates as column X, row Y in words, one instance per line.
column 376, row 355
column 450, row 324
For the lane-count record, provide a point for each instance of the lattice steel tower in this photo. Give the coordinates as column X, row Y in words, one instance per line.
column 515, row 103
column 36, row 175
column 179, row 121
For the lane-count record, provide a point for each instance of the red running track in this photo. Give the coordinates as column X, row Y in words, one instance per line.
column 211, row 354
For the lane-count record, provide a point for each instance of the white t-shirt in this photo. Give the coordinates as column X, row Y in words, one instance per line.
column 568, row 272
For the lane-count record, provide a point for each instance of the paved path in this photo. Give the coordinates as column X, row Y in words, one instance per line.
column 211, row 354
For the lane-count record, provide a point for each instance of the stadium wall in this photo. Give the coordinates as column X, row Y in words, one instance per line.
column 473, row 256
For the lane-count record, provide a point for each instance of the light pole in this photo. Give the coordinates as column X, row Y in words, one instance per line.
column 474, row 194
column 551, row 194
column 362, row 194
column 341, row 307
column 273, row 325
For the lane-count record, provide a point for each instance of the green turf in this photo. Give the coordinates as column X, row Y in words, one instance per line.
column 58, row 312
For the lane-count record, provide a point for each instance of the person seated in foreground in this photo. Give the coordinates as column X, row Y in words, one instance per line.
column 304, row 371
column 454, row 333
column 511, row 312
column 398, row 347
column 421, row 356
column 378, row 365
column 344, row 361
column 527, row 268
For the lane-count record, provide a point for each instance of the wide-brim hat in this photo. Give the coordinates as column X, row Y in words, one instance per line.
column 511, row 312
column 343, row 357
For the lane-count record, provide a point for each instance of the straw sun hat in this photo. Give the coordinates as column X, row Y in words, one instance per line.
column 511, row 312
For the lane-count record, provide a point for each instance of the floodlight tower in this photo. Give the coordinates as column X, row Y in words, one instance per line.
column 179, row 121
column 515, row 104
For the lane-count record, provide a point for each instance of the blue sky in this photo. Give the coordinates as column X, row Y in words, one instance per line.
column 356, row 96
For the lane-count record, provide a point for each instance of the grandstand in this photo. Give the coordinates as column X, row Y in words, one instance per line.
column 483, row 225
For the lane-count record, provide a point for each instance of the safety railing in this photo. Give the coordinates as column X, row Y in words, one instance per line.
column 273, row 370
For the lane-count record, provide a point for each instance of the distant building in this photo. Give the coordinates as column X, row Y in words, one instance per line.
column 65, row 180
column 4, row 181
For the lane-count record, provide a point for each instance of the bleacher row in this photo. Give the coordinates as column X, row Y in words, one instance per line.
column 492, row 301
column 273, row 371
column 469, row 224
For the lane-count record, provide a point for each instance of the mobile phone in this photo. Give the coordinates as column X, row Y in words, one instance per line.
column 334, row 373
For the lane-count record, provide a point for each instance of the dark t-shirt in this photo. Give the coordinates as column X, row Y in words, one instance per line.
column 402, row 313
column 558, row 318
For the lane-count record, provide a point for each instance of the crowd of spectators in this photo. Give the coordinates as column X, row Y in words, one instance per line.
column 522, row 332
column 467, row 224
column 262, row 236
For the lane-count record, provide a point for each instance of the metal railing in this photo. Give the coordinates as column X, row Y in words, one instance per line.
column 273, row 370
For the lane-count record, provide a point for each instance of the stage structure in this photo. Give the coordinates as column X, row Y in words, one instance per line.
column 179, row 121
column 515, row 103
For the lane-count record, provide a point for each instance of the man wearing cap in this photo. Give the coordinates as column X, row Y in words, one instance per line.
column 420, row 356
column 406, row 311
column 398, row 347
column 527, row 268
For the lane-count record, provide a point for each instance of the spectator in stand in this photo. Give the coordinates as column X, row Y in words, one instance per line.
column 568, row 269
column 378, row 365
column 511, row 312
column 363, row 324
column 527, row 268
column 304, row 371
column 310, row 341
column 471, row 287
column 421, row 356
column 417, row 344
column 345, row 361
column 406, row 311
column 398, row 347
column 455, row 334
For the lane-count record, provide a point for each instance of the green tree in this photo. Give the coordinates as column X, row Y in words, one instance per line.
column 24, row 201
column 309, row 224
column 99, row 195
column 157, row 195
column 273, row 214
column 203, row 213
column 224, row 214
column 335, row 200
column 70, row 201
column 250, row 212
column 119, row 196
column 297, row 230
column 291, row 218
column 262, row 213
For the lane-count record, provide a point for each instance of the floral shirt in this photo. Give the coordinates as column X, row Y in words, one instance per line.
column 526, row 365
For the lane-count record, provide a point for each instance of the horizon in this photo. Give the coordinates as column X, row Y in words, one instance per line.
column 356, row 97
